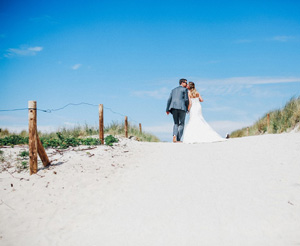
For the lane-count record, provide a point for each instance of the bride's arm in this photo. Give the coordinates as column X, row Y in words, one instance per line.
column 200, row 98
column 190, row 102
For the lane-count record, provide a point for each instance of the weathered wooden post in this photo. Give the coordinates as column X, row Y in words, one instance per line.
column 247, row 131
column 33, row 146
column 101, row 125
column 268, row 121
column 42, row 153
column 126, row 127
column 140, row 127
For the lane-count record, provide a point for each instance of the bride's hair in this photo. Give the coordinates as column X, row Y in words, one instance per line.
column 193, row 91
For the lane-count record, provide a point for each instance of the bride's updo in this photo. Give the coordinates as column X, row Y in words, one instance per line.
column 193, row 92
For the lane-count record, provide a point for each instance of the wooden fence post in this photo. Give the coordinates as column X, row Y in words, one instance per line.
column 101, row 125
column 268, row 121
column 126, row 127
column 140, row 127
column 35, row 145
column 42, row 153
column 33, row 149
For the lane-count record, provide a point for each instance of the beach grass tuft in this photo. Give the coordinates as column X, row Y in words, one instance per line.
column 281, row 120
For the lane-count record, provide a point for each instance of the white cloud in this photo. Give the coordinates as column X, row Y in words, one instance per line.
column 23, row 51
column 282, row 38
column 225, row 109
column 222, row 89
column 248, row 80
column 35, row 49
column 236, row 85
column 161, row 93
column 76, row 66
column 222, row 86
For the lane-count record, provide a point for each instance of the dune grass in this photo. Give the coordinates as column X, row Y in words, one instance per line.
column 119, row 129
column 77, row 132
column 281, row 120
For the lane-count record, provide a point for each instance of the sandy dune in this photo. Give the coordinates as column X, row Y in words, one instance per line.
column 239, row 192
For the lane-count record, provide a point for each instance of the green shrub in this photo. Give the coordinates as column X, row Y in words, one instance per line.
column 24, row 153
column 2, row 159
column 65, row 142
column 24, row 164
column 109, row 140
column 76, row 136
column 50, row 142
column 13, row 140
column 90, row 141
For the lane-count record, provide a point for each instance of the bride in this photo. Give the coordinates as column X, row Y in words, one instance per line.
column 197, row 129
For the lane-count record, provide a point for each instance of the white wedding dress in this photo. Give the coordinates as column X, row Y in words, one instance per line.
column 197, row 129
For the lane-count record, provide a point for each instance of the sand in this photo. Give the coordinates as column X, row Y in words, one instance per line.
column 243, row 191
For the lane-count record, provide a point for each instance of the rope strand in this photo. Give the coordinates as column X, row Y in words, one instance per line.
column 67, row 105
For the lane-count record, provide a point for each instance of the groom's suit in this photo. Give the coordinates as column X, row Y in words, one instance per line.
column 178, row 103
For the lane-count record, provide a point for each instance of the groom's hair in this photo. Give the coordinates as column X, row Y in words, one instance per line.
column 182, row 81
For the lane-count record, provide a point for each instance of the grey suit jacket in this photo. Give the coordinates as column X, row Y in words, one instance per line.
column 178, row 99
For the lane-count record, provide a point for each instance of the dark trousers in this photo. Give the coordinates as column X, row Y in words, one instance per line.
column 179, row 118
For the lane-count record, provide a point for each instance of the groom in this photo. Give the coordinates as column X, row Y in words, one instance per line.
column 177, row 105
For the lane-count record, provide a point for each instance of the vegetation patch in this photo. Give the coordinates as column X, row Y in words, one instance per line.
column 65, row 142
column 12, row 140
column 24, row 153
column 116, row 128
column 2, row 159
column 109, row 140
column 281, row 120
column 76, row 136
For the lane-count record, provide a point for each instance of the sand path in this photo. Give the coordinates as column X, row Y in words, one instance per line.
column 239, row 192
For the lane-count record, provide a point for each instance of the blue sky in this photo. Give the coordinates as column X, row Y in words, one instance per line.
column 243, row 56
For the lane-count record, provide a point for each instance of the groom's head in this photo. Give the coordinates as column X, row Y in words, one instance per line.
column 183, row 82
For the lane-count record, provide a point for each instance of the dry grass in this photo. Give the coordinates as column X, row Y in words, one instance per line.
column 86, row 130
column 119, row 129
column 281, row 120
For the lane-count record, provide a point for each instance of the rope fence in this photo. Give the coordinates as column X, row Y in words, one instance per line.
column 67, row 105
column 35, row 146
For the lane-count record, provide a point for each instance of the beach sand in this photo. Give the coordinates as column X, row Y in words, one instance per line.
column 243, row 191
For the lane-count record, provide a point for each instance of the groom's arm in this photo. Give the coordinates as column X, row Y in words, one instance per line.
column 186, row 100
column 168, row 103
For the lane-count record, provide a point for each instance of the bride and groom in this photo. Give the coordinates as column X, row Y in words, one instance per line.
column 185, row 98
